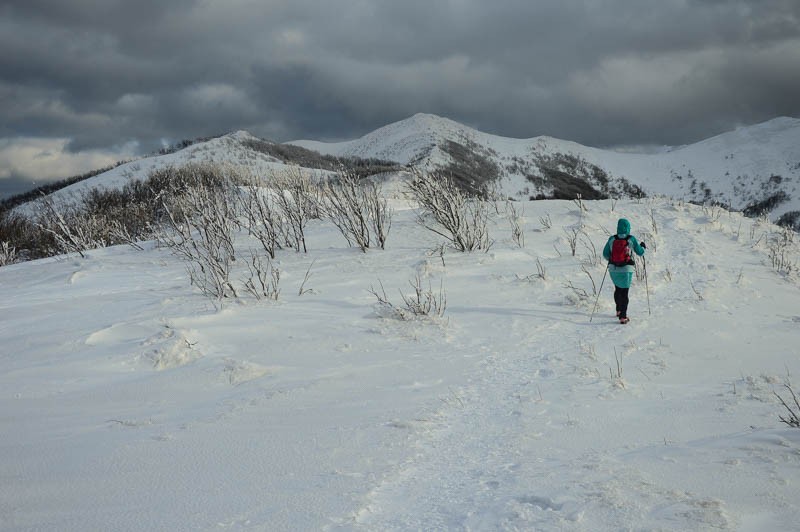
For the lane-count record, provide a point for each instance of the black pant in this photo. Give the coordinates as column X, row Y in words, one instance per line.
column 621, row 299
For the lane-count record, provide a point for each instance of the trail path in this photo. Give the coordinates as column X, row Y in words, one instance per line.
column 548, row 435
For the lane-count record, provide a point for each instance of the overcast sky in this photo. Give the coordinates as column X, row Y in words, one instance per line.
column 84, row 83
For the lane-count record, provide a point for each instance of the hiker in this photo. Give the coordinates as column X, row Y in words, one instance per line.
column 620, row 264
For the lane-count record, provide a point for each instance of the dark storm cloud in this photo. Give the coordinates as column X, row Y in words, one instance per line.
column 602, row 72
column 12, row 186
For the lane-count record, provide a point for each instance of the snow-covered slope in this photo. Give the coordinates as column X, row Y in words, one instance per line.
column 240, row 149
column 127, row 402
column 738, row 168
column 411, row 141
column 756, row 167
column 228, row 149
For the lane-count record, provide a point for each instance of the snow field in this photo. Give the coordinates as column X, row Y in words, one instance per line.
column 130, row 402
column 580, row 481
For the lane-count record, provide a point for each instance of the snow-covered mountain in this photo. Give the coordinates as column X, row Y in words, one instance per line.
column 755, row 167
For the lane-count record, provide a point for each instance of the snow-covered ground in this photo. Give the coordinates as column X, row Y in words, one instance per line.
column 128, row 402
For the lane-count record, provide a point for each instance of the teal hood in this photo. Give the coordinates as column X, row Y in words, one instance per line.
column 623, row 227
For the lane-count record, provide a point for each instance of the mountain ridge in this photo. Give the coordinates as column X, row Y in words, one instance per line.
column 739, row 168
column 752, row 168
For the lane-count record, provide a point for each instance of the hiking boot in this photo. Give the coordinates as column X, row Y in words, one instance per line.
column 624, row 320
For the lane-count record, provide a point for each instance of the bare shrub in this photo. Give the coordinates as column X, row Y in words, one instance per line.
column 8, row 254
column 439, row 250
column 713, row 213
column 99, row 218
column 28, row 239
column 541, row 273
column 358, row 210
column 578, row 201
column 580, row 293
column 121, row 234
column 793, row 417
column 616, row 376
column 638, row 268
column 789, row 219
column 424, row 302
column 303, row 290
column 653, row 221
column 201, row 221
column 298, row 200
column 585, row 270
column 71, row 230
column 546, row 222
column 514, row 218
column 592, row 255
column 779, row 247
column 264, row 279
column 449, row 212
column 380, row 214
column 291, row 154
column 696, row 290
column 572, row 238
column 128, row 215
column 263, row 219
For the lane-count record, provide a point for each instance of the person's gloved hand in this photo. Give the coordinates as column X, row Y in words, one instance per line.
column 644, row 245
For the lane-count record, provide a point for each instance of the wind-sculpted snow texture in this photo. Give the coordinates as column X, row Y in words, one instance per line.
column 129, row 402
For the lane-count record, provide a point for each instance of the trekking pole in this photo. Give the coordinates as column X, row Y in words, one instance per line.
column 646, row 287
column 598, row 294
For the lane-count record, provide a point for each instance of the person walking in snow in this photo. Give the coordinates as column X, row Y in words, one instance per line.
column 617, row 252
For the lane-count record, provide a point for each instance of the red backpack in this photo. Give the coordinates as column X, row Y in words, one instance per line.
column 620, row 251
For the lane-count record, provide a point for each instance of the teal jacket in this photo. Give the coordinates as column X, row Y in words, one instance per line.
column 622, row 276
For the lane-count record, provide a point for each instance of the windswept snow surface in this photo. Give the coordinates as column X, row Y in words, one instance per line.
column 129, row 402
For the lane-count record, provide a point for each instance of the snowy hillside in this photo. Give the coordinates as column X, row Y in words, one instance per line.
column 228, row 149
column 240, row 149
column 739, row 168
column 755, row 168
column 129, row 402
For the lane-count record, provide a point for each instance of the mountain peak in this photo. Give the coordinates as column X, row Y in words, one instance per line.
column 428, row 119
column 423, row 123
column 405, row 141
column 241, row 135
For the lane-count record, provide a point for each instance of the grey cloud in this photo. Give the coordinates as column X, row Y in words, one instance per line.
column 601, row 72
column 11, row 186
